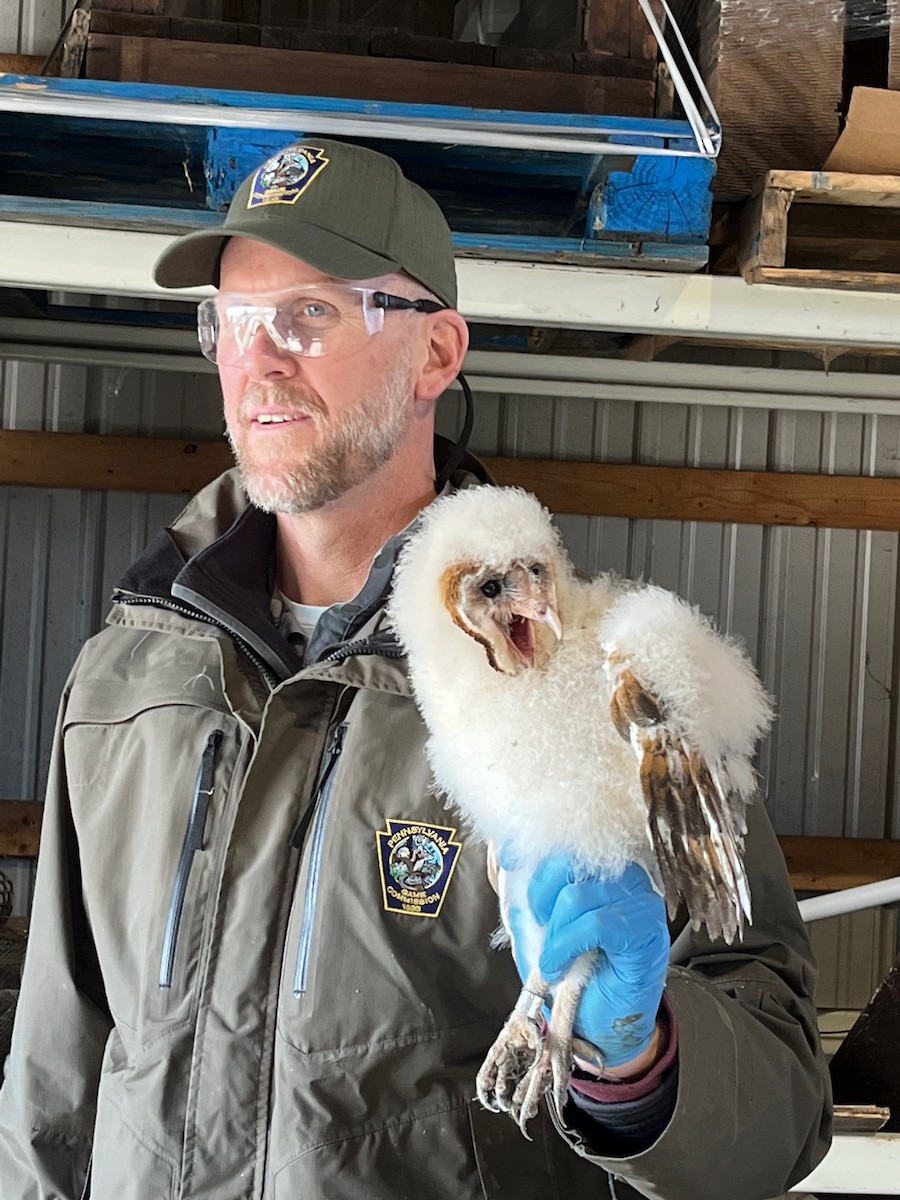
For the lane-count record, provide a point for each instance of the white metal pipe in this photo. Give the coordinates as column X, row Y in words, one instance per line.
column 91, row 343
column 708, row 135
column 835, row 904
column 521, row 136
column 110, row 261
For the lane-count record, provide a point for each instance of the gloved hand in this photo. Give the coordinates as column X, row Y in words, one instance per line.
column 625, row 919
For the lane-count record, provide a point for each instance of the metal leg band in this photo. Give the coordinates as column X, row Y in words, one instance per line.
column 530, row 1004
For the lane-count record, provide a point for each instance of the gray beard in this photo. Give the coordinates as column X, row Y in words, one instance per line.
column 354, row 447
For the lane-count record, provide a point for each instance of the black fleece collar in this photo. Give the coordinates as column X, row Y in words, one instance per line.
column 231, row 580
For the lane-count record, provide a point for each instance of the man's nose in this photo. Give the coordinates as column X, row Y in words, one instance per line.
column 263, row 359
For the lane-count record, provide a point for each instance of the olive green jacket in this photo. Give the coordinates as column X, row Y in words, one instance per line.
column 230, row 990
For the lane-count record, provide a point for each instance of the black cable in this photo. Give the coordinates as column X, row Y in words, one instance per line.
column 459, row 450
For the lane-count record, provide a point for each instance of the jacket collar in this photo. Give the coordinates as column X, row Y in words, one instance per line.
column 218, row 559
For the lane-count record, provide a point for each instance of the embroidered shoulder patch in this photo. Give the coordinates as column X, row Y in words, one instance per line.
column 416, row 862
column 285, row 176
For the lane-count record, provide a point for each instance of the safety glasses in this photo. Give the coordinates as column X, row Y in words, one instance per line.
column 315, row 320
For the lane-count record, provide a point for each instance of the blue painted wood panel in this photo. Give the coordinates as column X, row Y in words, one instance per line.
column 602, row 208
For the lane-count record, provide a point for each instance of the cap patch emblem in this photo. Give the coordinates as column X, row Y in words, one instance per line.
column 285, row 176
column 416, row 861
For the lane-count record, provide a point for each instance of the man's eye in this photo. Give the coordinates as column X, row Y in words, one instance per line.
column 491, row 588
column 314, row 310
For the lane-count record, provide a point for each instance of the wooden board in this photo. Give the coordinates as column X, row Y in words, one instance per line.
column 20, row 828
column 300, row 72
column 828, row 864
column 619, row 27
column 381, row 43
column 700, row 494
column 860, row 1118
column 644, row 211
column 814, row 864
column 796, row 229
column 21, row 64
column 99, row 462
column 893, row 12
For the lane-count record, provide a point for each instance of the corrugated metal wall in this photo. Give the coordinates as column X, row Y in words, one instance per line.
column 816, row 608
column 31, row 26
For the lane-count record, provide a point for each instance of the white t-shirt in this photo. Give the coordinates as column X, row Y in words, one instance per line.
column 293, row 617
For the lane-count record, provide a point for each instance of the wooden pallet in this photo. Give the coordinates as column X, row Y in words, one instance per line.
column 818, row 229
column 638, row 211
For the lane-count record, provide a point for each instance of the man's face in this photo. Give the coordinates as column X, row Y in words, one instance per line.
column 346, row 416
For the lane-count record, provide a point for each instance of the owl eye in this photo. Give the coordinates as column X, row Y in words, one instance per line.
column 535, row 568
column 491, row 588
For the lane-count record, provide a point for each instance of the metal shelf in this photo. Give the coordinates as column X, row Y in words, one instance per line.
column 117, row 262
column 858, row 1165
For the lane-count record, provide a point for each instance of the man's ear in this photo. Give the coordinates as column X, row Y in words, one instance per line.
column 447, row 342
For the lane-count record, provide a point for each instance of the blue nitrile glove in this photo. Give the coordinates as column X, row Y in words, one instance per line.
column 625, row 919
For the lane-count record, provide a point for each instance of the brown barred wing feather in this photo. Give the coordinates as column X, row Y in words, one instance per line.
column 694, row 822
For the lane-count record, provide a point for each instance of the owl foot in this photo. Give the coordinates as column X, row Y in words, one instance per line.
column 550, row 1072
column 510, row 1061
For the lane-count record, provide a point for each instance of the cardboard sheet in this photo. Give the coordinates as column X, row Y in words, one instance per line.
column 870, row 143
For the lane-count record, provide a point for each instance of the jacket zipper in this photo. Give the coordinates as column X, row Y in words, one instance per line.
column 362, row 646
column 193, row 841
column 319, row 807
column 195, row 615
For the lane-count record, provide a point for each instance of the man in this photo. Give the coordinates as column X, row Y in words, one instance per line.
column 224, row 998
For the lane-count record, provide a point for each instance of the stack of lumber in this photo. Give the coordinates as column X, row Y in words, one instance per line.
column 420, row 63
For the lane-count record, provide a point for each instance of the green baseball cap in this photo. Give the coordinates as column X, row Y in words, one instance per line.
column 346, row 210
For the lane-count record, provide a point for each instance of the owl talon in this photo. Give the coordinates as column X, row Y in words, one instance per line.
column 560, row 1054
column 518, row 1048
column 533, row 1084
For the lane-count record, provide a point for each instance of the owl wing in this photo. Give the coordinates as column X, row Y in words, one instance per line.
column 695, row 817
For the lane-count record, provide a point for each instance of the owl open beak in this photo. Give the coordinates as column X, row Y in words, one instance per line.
column 529, row 629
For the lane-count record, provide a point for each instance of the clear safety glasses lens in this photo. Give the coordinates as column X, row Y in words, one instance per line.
column 311, row 323
column 325, row 319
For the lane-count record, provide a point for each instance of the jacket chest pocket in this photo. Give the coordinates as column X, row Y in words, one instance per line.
column 180, row 950
column 309, row 834
column 149, row 795
column 392, row 914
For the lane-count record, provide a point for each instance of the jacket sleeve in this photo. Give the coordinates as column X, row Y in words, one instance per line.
column 48, row 1099
column 752, row 1114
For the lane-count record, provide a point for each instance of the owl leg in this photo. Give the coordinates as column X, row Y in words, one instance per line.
column 560, row 1032
column 519, row 1046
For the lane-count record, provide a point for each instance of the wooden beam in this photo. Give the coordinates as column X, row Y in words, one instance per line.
column 700, row 494
column 21, row 64
column 20, row 828
column 95, row 462
column 821, row 864
column 830, row 864
column 607, row 26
